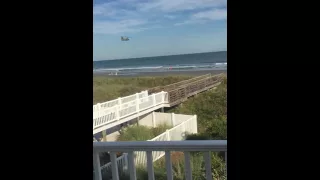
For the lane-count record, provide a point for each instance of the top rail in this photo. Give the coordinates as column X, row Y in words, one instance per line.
column 119, row 101
column 177, row 84
column 186, row 90
column 190, row 145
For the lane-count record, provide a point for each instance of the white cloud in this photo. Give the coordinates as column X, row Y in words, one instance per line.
column 214, row 14
column 204, row 16
column 133, row 15
column 124, row 26
column 180, row 5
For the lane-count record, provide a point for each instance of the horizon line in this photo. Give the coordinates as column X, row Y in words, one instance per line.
column 160, row 56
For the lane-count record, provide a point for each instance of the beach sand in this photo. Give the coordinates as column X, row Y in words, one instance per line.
column 168, row 73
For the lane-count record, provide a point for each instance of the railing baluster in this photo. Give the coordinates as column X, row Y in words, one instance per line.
column 173, row 122
column 96, row 165
column 154, row 99
column 162, row 96
column 168, row 165
column 188, row 171
column 207, row 160
column 132, row 168
column 117, row 112
column 150, row 165
column 114, row 166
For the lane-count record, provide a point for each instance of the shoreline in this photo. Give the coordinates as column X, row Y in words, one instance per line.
column 171, row 73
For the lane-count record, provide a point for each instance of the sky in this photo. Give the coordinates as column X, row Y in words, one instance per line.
column 158, row 27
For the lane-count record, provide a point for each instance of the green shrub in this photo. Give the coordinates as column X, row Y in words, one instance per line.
column 135, row 133
column 211, row 110
column 160, row 129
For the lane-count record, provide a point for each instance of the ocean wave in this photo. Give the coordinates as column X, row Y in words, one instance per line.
column 128, row 69
column 220, row 64
column 164, row 68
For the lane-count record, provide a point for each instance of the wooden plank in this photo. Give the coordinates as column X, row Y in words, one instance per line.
column 180, row 100
column 178, row 84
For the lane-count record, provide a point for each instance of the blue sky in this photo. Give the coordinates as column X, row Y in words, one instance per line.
column 158, row 27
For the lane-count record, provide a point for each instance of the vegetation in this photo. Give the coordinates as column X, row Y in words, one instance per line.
column 108, row 88
column 141, row 133
column 210, row 108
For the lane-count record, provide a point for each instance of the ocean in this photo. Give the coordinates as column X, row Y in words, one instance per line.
column 185, row 62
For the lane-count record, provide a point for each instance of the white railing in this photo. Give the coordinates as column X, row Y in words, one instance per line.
column 120, row 100
column 122, row 163
column 115, row 113
column 176, row 133
column 205, row 146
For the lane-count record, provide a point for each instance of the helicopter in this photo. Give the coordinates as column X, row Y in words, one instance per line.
column 124, row 38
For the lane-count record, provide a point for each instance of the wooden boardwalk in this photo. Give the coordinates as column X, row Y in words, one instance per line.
column 146, row 102
column 180, row 91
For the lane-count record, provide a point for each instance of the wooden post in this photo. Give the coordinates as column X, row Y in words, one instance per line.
column 163, row 96
column 138, row 119
column 104, row 135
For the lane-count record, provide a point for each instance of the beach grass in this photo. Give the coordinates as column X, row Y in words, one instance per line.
column 141, row 133
column 108, row 88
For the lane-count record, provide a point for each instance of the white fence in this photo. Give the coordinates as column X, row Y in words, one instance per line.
column 176, row 133
column 149, row 147
column 122, row 163
column 107, row 115
column 121, row 100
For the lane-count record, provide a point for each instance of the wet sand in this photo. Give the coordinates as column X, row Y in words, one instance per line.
column 168, row 73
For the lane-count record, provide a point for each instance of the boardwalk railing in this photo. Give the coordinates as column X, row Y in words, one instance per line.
column 119, row 101
column 179, row 94
column 176, row 133
column 112, row 114
column 175, row 85
column 149, row 147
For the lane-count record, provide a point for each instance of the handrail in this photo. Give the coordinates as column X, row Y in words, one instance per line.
column 190, row 145
column 184, row 91
column 194, row 82
column 177, row 83
column 112, row 103
column 109, row 115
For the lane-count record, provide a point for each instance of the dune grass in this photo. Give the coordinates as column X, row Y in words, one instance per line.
column 141, row 133
column 211, row 110
column 108, row 88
